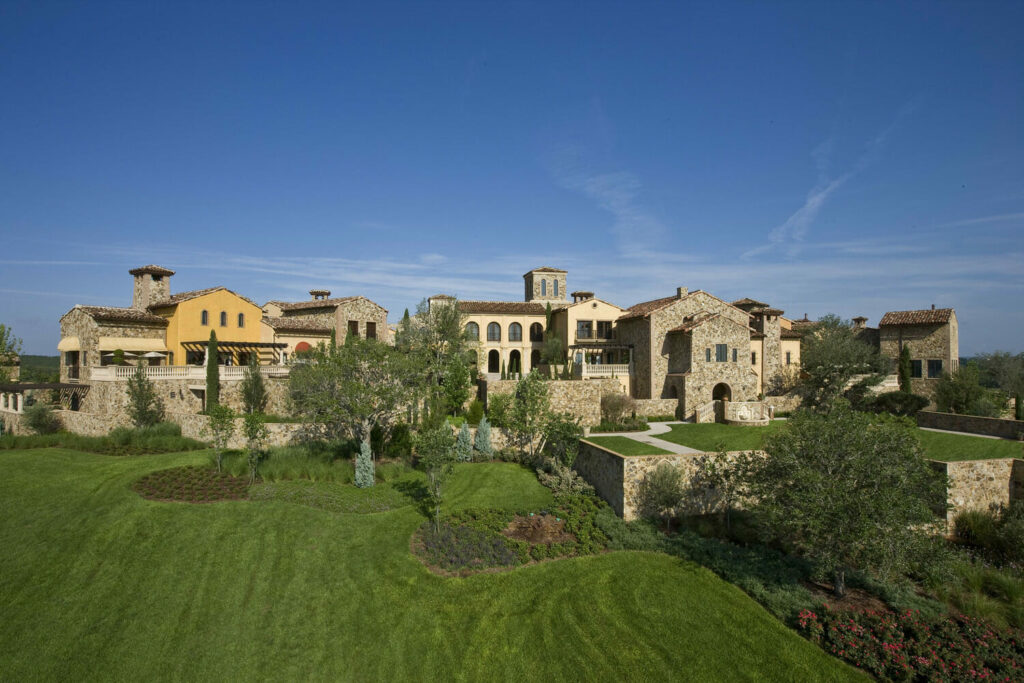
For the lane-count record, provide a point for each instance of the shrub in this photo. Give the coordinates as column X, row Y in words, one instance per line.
column 629, row 424
column 144, row 406
column 498, row 408
column 364, row 466
column 615, row 406
column 399, row 443
column 997, row 533
column 976, row 527
column 456, row 420
column 562, row 435
column 475, row 412
column 482, row 444
column 460, row 547
column 660, row 418
column 162, row 438
column 660, row 491
column 464, row 445
column 898, row 403
column 562, row 480
column 41, row 419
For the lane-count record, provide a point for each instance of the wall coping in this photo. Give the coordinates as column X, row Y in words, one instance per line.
column 976, row 417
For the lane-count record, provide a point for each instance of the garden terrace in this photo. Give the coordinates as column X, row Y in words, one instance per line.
column 623, row 445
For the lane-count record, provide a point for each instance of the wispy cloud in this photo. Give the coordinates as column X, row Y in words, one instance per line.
column 983, row 220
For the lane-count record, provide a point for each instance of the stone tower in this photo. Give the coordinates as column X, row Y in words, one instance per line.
column 152, row 284
column 546, row 284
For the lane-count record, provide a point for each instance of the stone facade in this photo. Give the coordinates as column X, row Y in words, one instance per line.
column 358, row 313
column 545, row 284
column 180, row 396
column 81, row 332
column 935, row 338
column 580, row 399
column 989, row 426
column 649, row 407
column 981, row 484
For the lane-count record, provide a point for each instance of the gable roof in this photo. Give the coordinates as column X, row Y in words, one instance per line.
column 289, row 306
column 587, row 301
column 928, row 316
column 790, row 334
column 295, row 324
column 694, row 323
column 647, row 307
column 506, row 307
column 545, row 269
column 739, row 303
column 181, row 297
column 116, row 314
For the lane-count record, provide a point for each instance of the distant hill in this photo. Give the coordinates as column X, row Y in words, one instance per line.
column 40, row 368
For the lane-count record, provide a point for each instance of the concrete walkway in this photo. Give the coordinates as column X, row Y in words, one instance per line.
column 948, row 431
column 648, row 437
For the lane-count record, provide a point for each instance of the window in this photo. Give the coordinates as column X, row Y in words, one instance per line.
column 223, row 319
column 934, row 369
column 353, row 327
column 536, row 333
column 734, row 355
column 371, row 330
column 543, row 287
column 194, row 357
column 721, row 353
column 707, row 355
column 473, row 331
column 493, row 332
column 604, row 329
column 753, row 357
column 204, row 318
column 915, row 368
column 556, row 287
column 241, row 319
column 515, row 332
column 789, row 357
column 158, row 278
column 584, row 329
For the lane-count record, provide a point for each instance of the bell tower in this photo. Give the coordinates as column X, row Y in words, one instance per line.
column 546, row 284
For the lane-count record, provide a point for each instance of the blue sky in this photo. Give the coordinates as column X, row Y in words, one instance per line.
column 824, row 157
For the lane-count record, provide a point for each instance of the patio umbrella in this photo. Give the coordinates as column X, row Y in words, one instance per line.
column 154, row 354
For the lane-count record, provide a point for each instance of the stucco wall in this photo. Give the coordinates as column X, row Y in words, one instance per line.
column 990, row 426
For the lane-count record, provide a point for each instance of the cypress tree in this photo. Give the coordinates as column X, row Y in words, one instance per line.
column 547, row 318
column 364, row 466
column 1018, row 411
column 504, row 375
column 212, row 372
column 904, row 368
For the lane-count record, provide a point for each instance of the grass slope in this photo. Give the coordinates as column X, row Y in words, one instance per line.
column 712, row 436
column 97, row 583
column 623, row 445
column 948, row 447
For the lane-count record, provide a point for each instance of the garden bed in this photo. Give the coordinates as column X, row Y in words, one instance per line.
column 191, row 484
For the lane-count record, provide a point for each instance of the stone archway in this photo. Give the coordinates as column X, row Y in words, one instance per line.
column 721, row 392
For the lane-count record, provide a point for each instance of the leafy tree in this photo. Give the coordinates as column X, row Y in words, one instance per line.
column 529, row 413
column 364, row 466
column 661, row 491
column 715, row 484
column 830, row 356
column 904, row 369
column 10, row 349
column 455, row 383
column 846, row 489
column 212, row 372
column 499, row 409
column 144, row 406
column 552, row 351
column 254, row 388
column 255, row 429
column 615, row 406
column 436, row 449
column 482, row 444
column 40, row 418
column 562, row 435
column 961, row 392
column 344, row 392
column 220, row 428
column 1005, row 371
column 439, row 339
column 464, row 444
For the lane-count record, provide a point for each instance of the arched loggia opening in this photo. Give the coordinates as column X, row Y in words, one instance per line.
column 493, row 361
column 515, row 362
column 534, row 359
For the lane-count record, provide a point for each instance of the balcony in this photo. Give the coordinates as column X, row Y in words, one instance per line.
column 115, row 373
column 588, row 370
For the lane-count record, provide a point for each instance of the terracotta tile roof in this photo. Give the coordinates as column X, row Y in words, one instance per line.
column 693, row 323
column 151, row 269
column 296, row 324
column 546, row 269
column 180, row 297
column 923, row 317
column 507, row 307
column 767, row 310
column 122, row 315
column 757, row 335
column 444, row 297
column 312, row 303
column 647, row 307
column 790, row 334
column 740, row 303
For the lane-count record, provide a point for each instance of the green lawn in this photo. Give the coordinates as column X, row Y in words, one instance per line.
column 712, row 436
column 939, row 446
column 623, row 445
column 97, row 583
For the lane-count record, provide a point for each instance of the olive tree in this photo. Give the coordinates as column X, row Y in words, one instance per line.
column 220, row 428
column 831, row 354
column 528, row 414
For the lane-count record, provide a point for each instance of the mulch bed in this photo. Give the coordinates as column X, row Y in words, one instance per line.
column 538, row 529
column 191, row 484
column 856, row 599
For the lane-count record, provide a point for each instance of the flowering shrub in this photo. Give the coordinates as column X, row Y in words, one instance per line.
column 906, row 646
column 460, row 547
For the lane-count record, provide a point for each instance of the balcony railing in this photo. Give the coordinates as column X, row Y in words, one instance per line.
column 584, row 370
column 110, row 373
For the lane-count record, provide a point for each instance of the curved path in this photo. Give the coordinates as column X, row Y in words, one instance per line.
column 649, row 437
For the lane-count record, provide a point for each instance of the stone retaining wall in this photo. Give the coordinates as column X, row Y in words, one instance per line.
column 579, row 398
column 111, row 398
column 787, row 403
column 194, row 427
column 981, row 484
column 989, row 426
column 649, row 407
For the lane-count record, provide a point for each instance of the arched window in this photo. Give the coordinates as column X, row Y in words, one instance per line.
column 515, row 332
column 543, row 287
column 556, row 287
column 241, row 319
column 473, row 331
column 223, row 319
column 204, row 317
column 536, row 332
column 493, row 332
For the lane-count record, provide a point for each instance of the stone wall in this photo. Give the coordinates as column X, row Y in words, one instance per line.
column 177, row 395
column 926, row 342
column 786, row 403
column 194, row 427
column 981, row 484
column 580, row 398
column 77, row 323
column 649, row 407
column 989, row 426
column 603, row 470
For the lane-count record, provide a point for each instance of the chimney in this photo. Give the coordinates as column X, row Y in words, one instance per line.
column 859, row 323
column 933, row 307
column 681, row 292
column 319, row 294
column 152, row 284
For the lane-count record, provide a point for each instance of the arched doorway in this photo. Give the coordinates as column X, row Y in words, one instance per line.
column 534, row 359
column 515, row 362
column 721, row 392
column 493, row 361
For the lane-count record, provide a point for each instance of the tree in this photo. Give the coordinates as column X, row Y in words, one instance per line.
column 830, row 356
column 10, row 349
column 344, row 392
column 455, row 384
column 436, row 449
column 40, row 418
column 846, row 489
column 904, row 369
column 144, row 406
column 464, row 444
column 482, row 444
column 562, row 435
column 715, row 484
column 961, row 392
column 661, row 491
column 1005, row 371
column 528, row 413
column 255, row 430
column 403, row 335
column 212, row 372
column 552, row 351
column 364, row 466
column 254, row 388
column 504, row 375
column 220, row 428
column 439, row 339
